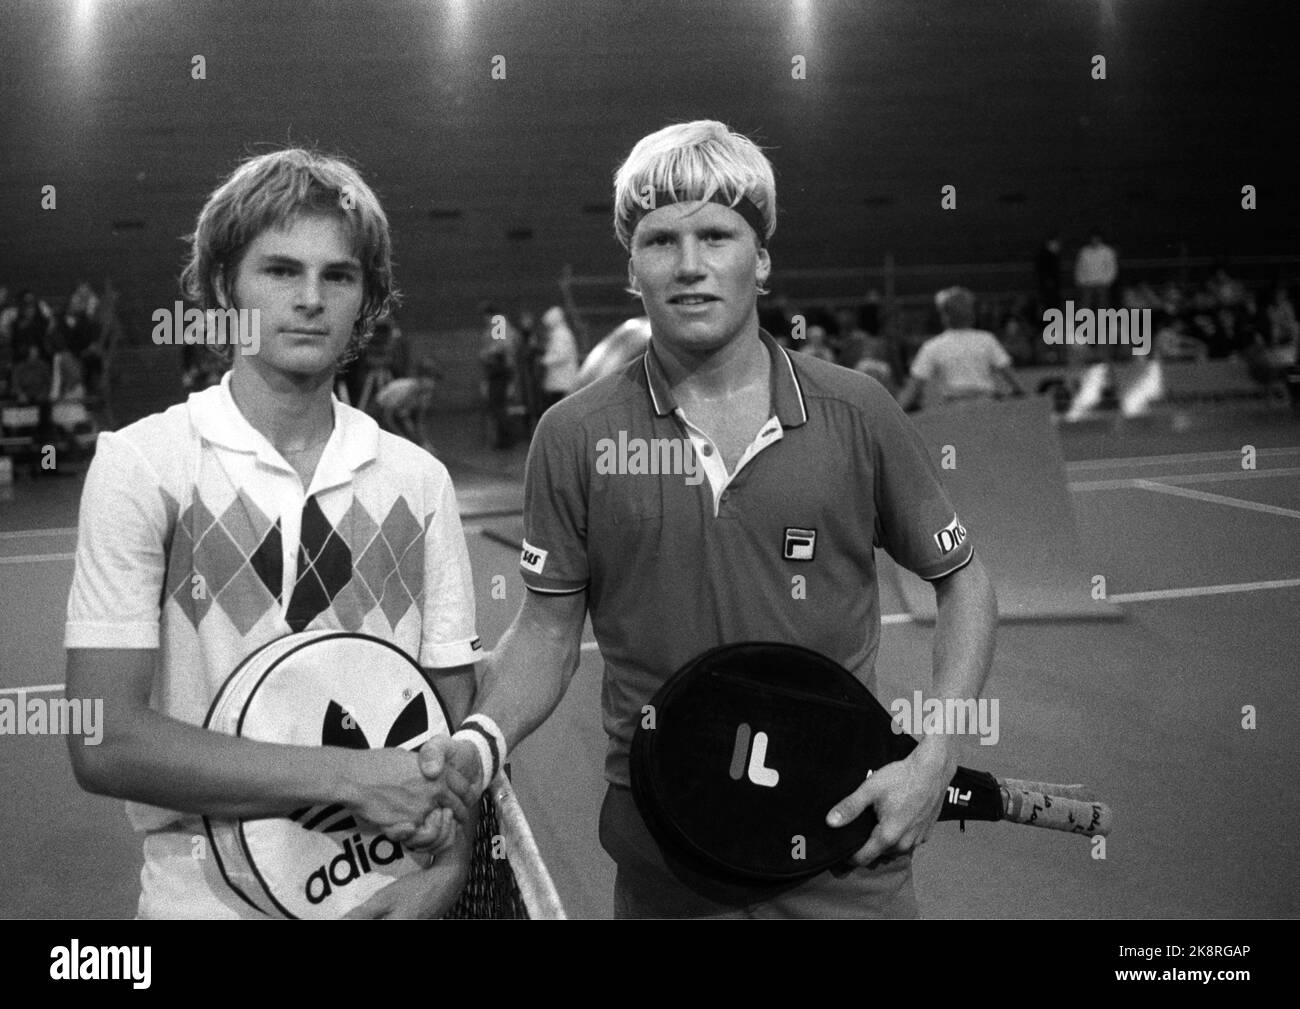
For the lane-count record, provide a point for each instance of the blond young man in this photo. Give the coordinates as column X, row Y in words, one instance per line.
column 669, row 567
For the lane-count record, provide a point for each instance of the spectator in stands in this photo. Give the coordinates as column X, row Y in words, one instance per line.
column 498, row 353
column 1017, row 338
column 1227, row 291
column 849, row 342
column 1140, row 296
column 869, row 313
column 559, row 361
column 814, row 344
column 529, row 351
column 776, row 315
column 1172, row 341
column 31, row 326
column 78, row 324
column 32, row 376
column 1095, row 270
column 1047, row 273
column 1283, row 328
column 8, row 311
column 961, row 362
column 69, row 418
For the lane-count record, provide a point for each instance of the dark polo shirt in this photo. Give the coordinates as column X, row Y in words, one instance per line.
column 784, row 553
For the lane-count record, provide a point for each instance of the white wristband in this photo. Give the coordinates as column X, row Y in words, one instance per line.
column 490, row 742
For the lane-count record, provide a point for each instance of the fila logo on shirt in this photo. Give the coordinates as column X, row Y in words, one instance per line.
column 800, row 544
column 747, row 761
column 533, row 558
column 951, row 536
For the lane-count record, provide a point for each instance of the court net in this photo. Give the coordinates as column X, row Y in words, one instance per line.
column 507, row 877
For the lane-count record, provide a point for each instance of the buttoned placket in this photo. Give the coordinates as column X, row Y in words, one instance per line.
column 715, row 467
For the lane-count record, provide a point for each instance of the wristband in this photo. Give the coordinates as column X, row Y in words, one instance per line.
column 490, row 742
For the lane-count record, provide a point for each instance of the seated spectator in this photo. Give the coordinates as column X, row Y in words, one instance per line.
column 879, row 370
column 68, row 414
column 814, row 344
column 1018, row 341
column 961, row 362
column 32, row 377
column 1172, row 342
column 79, row 326
column 776, row 315
column 31, row 325
column 1140, row 296
column 1227, row 291
column 849, row 343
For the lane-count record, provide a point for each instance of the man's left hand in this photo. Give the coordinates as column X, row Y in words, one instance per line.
column 429, row 893
column 907, row 796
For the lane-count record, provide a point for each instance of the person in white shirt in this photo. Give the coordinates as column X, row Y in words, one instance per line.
column 260, row 507
column 1095, row 270
column 559, row 360
column 961, row 362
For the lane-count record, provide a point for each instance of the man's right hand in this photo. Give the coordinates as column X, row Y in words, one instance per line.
column 388, row 789
column 445, row 759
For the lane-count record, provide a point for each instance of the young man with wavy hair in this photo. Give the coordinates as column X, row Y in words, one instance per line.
column 245, row 514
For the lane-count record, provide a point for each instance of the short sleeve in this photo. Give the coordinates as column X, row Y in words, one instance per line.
column 554, row 550
column 121, row 558
column 923, row 363
column 998, row 356
column 448, row 636
column 917, row 523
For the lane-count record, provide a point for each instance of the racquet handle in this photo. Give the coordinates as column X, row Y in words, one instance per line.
column 1055, row 812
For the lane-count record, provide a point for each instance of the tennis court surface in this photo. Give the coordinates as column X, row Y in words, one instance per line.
column 1202, row 554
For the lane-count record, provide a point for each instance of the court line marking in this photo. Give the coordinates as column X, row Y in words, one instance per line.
column 36, row 558
column 1159, row 460
column 19, row 534
column 1232, row 502
column 1202, row 590
column 1128, row 483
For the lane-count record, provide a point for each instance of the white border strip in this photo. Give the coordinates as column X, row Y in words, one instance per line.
column 45, row 688
column 36, row 558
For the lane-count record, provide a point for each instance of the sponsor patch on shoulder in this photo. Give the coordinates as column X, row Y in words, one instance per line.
column 951, row 536
column 533, row 558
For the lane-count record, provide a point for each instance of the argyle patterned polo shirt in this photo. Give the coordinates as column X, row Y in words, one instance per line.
column 197, row 538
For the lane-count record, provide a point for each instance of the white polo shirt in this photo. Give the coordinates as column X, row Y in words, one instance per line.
column 961, row 361
column 197, row 538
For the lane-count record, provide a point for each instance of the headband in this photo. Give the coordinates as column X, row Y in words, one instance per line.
column 744, row 207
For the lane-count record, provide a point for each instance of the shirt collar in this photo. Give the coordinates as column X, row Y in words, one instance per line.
column 787, row 394
column 353, row 443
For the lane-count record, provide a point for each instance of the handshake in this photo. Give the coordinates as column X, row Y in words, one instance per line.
column 417, row 799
